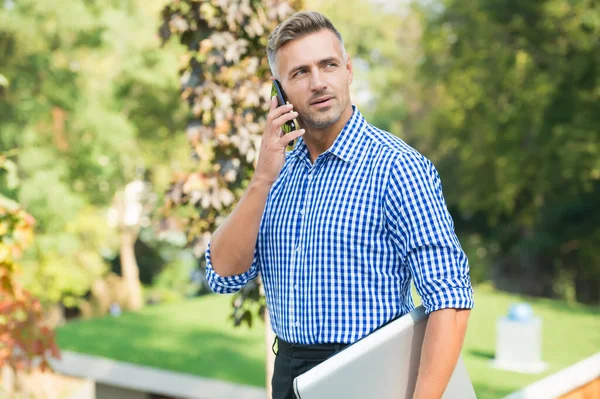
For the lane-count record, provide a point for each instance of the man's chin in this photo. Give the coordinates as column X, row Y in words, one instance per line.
column 322, row 122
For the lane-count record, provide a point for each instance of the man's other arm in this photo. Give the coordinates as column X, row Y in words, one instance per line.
column 443, row 342
column 423, row 232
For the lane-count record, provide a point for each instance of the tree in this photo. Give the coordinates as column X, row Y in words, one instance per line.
column 514, row 130
column 26, row 341
column 225, row 81
column 131, row 207
column 92, row 99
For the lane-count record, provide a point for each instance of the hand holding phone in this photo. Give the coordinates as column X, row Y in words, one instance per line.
column 277, row 91
column 271, row 156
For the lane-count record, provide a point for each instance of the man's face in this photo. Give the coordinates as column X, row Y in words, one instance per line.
column 315, row 78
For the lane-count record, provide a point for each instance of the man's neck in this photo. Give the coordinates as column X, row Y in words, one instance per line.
column 320, row 140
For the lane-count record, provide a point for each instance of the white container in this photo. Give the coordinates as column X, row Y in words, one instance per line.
column 519, row 341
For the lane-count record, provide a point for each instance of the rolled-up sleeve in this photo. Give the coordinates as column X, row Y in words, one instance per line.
column 229, row 284
column 423, row 233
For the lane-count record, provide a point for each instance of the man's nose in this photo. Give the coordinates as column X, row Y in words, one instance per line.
column 317, row 81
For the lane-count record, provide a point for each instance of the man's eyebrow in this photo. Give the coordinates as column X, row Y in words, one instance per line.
column 322, row 62
column 328, row 60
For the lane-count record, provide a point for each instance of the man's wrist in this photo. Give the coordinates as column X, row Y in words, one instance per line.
column 260, row 182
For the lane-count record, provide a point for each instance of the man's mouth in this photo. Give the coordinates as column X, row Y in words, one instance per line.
column 322, row 101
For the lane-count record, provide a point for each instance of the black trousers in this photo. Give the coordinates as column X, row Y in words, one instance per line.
column 291, row 360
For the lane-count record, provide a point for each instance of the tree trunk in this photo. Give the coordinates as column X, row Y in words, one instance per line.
column 130, row 270
column 270, row 356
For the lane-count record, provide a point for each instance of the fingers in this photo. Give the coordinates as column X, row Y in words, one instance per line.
column 291, row 136
column 275, row 111
column 284, row 118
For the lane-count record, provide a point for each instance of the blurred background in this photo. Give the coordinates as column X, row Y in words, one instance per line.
column 129, row 129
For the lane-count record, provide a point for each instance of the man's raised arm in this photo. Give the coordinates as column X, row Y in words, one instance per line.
column 233, row 243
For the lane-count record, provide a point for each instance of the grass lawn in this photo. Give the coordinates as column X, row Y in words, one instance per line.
column 194, row 337
column 197, row 337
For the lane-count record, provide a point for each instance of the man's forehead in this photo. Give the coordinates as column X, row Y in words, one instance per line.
column 309, row 48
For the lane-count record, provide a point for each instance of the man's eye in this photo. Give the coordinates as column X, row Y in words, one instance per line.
column 331, row 64
column 298, row 73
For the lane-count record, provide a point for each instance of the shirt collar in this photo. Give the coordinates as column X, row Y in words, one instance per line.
column 344, row 145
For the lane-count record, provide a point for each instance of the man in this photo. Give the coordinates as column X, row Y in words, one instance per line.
column 340, row 225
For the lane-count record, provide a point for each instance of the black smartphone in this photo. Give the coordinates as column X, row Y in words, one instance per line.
column 277, row 90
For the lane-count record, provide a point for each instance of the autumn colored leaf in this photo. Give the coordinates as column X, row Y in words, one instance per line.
column 25, row 340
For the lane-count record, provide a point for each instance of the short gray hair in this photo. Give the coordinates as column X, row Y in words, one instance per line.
column 295, row 27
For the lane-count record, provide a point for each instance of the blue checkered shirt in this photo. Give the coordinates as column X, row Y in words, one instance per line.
column 341, row 239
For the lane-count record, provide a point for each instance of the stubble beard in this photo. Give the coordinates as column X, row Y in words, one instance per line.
column 318, row 120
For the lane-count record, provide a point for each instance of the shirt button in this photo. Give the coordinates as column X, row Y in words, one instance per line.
column 302, row 211
column 309, row 177
column 297, row 324
column 295, row 286
column 299, row 249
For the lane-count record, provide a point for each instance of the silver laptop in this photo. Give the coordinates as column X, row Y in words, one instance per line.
column 382, row 365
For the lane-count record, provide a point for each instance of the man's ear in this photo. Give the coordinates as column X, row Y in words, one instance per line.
column 349, row 69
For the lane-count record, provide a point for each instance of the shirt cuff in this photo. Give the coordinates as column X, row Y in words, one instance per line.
column 227, row 284
column 450, row 298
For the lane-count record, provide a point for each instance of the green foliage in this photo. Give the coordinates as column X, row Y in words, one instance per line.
column 248, row 301
column 174, row 279
column 92, row 98
column 225, row 81
column 62, row 268
column 514, row 130
column 175, row 275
